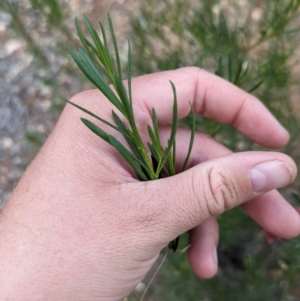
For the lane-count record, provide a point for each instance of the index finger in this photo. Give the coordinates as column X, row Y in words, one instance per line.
column 212, row 97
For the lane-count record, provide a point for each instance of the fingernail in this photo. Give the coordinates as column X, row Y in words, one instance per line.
column 215, row 258
column 269, row 175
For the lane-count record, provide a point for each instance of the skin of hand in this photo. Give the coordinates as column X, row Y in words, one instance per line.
column 80, row 226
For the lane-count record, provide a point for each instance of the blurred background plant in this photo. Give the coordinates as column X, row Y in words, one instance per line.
column 253, row 44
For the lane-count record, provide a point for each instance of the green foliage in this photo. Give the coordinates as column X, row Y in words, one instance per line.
column 102, row 66
column 252, row 44
column 35, row 139
column 223, row 38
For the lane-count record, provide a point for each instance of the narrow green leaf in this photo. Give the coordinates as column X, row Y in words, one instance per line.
column 155, row 155
column 171, row 159
column 90, row 113
column 193, row 130
column 151, row 134
column 88, row 46
column 108, row 55
column 91, row 70
column 183, row 250
column 98, row 43
column 93, row 54
column 174, row 123
column 129, row 157
column 82, row 64
column 173, row 245
column 93, row 33
column 87, row 67
column 238, row 73
column 156, row 130
column 121, row 126
column 174, row 126
column 80, row 33
column 96, row 130
column 169, row 162
column 112, row 33
column 245, row 71
column 156, row 161
column 153, row 151
column 219, row 70
column 124, row 99
column 91, row 49
column 128, row 136
column 129, row 73
column 255, row 86
column 175, row 114
column 173, row 162
column 229, row 67
column 296, row 197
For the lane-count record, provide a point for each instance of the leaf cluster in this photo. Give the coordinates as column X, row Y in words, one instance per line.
column 104, row 70
column 102, row 66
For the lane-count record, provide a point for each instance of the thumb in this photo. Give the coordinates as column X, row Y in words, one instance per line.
column 211, row 187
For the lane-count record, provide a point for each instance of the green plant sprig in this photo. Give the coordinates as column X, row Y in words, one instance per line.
column 102, row 67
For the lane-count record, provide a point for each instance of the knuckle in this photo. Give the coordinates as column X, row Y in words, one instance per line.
column 220, row 191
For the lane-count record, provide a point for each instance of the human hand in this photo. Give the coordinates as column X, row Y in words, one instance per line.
column 80, row 226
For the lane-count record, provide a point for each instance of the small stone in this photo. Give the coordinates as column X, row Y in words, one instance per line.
column 7, row 142
column 13, row 45
column 41, row 128
column 5, row 20
column 140, row 287
column 256, row 14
